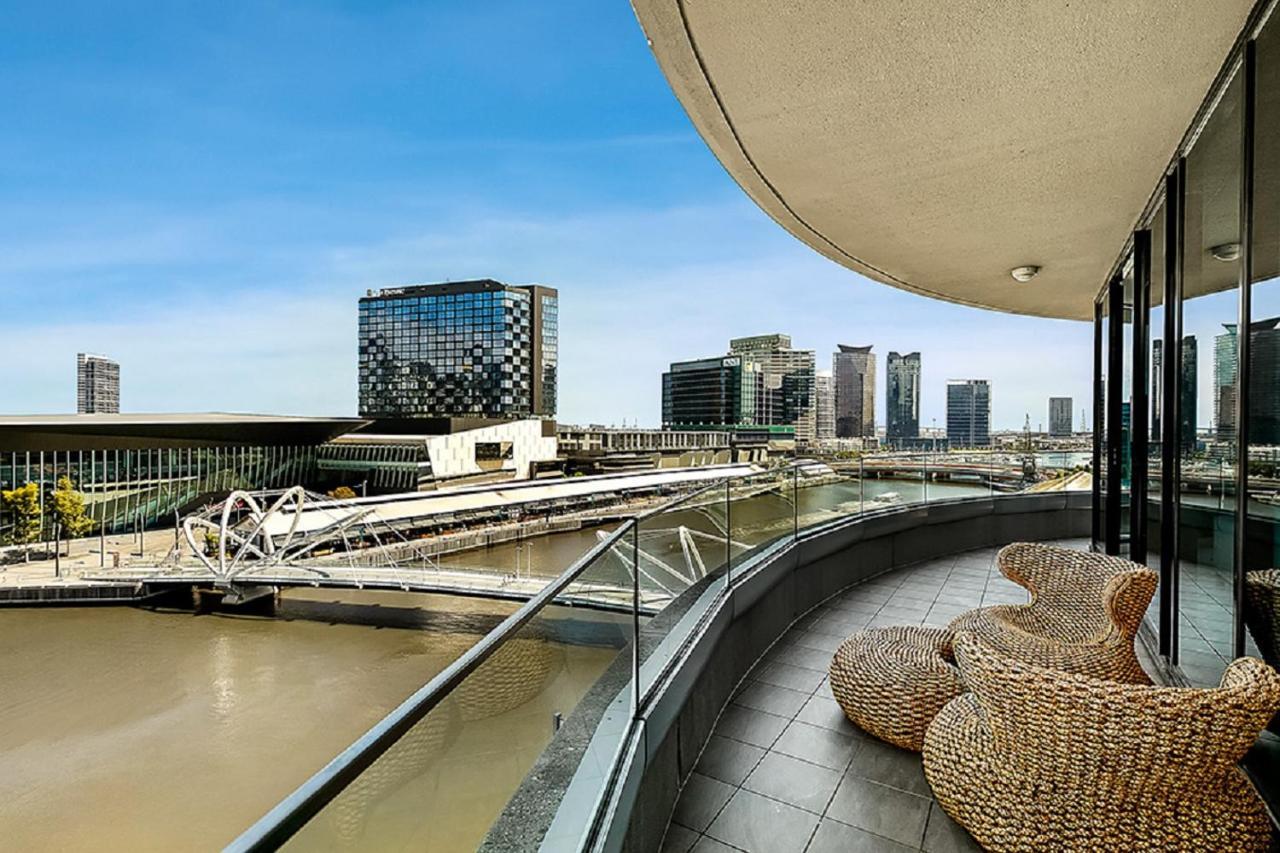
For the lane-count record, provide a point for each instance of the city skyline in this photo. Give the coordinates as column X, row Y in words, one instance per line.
column 606, row 194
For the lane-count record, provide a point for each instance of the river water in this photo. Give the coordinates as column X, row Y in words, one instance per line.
column 136, row 730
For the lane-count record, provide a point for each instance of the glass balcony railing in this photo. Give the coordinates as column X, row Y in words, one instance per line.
column 653, row 579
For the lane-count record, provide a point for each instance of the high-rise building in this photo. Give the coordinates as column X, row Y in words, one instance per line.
column 709, row 393
column 1060, row 416
column 465, row 349
column 825, row 406
column 854, row 373
column 1225, row 347
column 788, row 376
column 1264, row 379
column 968, row 412
column 1157, row 386
column 902, row 384
column 97, row 385
column 1187, row 397
column 1264, row 404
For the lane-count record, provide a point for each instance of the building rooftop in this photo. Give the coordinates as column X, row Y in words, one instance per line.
column 61, row 432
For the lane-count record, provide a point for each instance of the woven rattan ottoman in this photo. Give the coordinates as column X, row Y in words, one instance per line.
column 892, row 682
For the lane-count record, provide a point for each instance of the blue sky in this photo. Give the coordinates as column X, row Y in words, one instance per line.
column 204, row 190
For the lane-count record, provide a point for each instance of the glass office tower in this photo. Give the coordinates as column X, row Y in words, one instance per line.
column 465, row 349
column 902, row 407
column 969, row 412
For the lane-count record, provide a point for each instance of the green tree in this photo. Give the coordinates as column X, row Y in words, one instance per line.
column 68, row 510
column 21, row 507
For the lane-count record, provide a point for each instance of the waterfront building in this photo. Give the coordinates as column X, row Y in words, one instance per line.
column 968, row 413
column 824, row 406
column 710, row 393
column 854, row 374
column 141, row 469
column 1060, row 409
column 789, row 379
column 424, row 453
column 479, row 349
column 902, row 404
column 97, row 385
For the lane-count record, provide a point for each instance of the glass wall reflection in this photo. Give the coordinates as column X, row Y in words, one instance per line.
column 1207, row 428
column 1262, row 545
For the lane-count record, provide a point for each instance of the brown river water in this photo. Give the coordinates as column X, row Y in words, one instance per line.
column 128, row 729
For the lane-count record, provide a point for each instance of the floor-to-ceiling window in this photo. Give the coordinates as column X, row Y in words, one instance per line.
column 1155, row 390
column 1207, row 423
column 1262, row 365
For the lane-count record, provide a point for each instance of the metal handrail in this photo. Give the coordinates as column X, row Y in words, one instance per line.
column 293, row 812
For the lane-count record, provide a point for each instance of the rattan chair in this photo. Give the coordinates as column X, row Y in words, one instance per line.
column 1083, row 616
column 1034, row 759
column 1262, row 615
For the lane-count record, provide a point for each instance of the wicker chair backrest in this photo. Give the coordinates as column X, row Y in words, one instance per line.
column 1129, row 740
column 1076, row 596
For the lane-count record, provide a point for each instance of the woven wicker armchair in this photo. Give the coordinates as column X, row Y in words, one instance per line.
column 1262, row 615
column 1034, row 759
column 1084, row 613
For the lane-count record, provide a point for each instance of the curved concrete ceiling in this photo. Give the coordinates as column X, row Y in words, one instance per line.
column 936, row 146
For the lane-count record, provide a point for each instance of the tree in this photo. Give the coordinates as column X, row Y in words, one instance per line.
column 343, row 493
column 21, row 507
column 67, row 507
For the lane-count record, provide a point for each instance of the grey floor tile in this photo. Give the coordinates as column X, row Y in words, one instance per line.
column 881, row 810
column 835, row 837
column 822, row 642
column 772, row 699
column 758, row 824
column 851, row 604
column 889, row 765
column 828, row 747
column 751, row 726
column 822, row 710
column 944, row 835
column 728, row 760
column 790, row 677
column 710, row 845
column 795, row 782
column 700, row 801
column 840, row 623
column 792, row 655
column 678, row 839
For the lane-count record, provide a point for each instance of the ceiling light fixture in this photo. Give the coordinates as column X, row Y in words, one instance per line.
column 1226, row 251
column 1024, row 273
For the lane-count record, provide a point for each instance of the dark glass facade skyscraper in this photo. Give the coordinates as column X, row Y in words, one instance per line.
column 969, row 412
column 465, row 349
column 854, row 376
column 903, row 396
column 711, row 393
